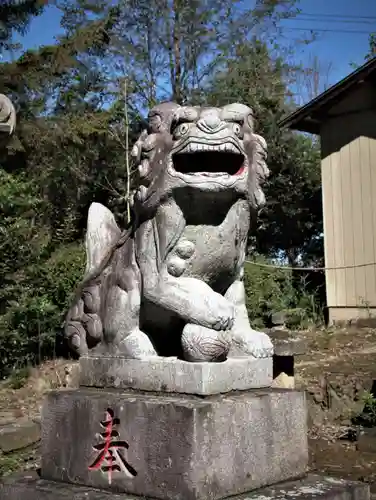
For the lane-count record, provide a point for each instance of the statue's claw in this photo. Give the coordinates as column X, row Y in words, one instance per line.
column 225, row 323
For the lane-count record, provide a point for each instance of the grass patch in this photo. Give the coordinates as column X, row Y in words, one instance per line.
column 19, row 460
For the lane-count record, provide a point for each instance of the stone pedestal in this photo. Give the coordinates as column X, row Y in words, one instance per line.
column 172, row 375
column 175, row 447
column 170, row 430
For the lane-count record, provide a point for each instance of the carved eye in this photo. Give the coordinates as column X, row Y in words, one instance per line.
column 237, row 128
column 182, row 129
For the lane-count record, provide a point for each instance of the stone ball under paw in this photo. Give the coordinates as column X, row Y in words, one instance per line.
column 204, row 344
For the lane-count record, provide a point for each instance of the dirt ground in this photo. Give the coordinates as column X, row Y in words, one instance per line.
column 338, row 367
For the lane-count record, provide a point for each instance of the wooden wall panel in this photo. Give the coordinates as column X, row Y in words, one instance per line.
column 348, row 147
column 329, row 240
column 368, row 208
column 357, row 222
column 341, row 214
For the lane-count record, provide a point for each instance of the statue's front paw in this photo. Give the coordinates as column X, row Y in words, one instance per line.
column 220, row 313
column 252, row 343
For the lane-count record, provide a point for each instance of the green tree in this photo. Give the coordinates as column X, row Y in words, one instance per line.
column 372, row 46
column 291, row 222
column 168, row 49
column 15, row 16
column 67, row 151
column 63, row 131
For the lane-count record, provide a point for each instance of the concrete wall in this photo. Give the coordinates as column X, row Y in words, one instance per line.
column 348, row 140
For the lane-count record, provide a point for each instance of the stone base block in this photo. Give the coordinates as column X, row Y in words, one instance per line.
column 19, row 435
column 311, row 487
column 287, row 346
column 174, row 375
column 174, row 446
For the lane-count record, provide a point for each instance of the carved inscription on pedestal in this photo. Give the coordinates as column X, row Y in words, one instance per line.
column 111, row 451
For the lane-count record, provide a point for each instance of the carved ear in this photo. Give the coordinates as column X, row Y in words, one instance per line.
column 260, row 157
column 186, row 114
column 237, row 111
column 102, row 233
column 258, row 172
column 161, row 116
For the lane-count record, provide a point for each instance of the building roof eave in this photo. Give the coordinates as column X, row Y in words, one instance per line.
column 307, row 119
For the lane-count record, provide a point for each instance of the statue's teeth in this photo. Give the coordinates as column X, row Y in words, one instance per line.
column 196, row 146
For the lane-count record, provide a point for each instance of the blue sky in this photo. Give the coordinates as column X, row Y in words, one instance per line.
column 342, row 26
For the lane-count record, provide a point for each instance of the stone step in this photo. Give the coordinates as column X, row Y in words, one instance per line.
column 287, row 343
column 19, row 435
column 30, row 487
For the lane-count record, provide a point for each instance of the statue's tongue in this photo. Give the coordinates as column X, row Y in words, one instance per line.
column 241, row 170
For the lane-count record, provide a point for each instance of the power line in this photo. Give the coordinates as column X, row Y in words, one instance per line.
column 344, row 16
column 341, row 21
column 329, row 30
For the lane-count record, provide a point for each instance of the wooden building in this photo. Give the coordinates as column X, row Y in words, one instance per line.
column 344, row 117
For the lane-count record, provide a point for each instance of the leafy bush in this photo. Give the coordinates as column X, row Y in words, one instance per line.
column 367, row 417
column 35, row 308
column 18, row 378
column 272, row 289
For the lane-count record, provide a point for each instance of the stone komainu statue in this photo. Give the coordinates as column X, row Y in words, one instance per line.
column 172, row 283
column 7, row 117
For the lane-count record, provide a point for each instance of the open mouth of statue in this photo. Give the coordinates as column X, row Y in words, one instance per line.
column 211, row 160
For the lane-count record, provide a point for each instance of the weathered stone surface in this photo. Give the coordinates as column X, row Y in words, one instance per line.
column 318, row 487
column 367, row 440
column 180, row 447
column 31, row 487
column 286, row 347
column 278, row 318
column 312, row 486
column 19, row 435
column 173, row 375
column 6, row 417
column 287, row 344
